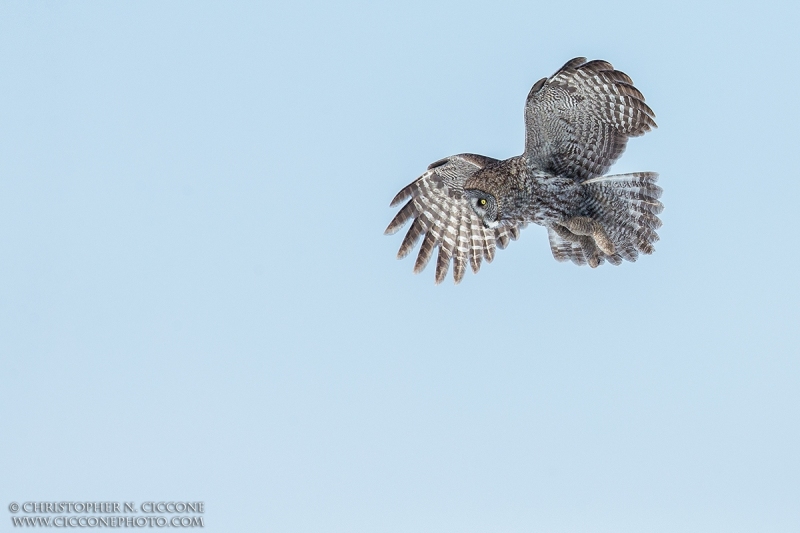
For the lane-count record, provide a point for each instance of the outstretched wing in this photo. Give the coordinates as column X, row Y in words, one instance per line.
column 578, row 121
column 441, row 213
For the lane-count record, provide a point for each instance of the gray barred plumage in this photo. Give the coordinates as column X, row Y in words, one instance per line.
column 577, row 122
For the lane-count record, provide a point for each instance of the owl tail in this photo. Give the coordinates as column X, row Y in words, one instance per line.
column 619, row 220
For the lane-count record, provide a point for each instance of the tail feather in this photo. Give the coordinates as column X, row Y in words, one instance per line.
column 627, row 206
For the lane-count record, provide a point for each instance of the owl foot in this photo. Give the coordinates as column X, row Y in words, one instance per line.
column 589, row 243
column 590, row 228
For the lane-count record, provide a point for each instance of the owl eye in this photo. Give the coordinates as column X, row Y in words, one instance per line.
column 482, row 202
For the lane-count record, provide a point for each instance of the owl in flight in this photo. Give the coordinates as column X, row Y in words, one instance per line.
column 577, row 123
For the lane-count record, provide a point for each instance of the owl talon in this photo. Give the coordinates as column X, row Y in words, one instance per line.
column 591, row 228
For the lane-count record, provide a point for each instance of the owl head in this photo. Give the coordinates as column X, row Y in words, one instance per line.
column 485, row 206
column 487, row 193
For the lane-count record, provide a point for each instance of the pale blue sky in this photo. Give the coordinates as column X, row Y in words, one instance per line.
column 197, row 301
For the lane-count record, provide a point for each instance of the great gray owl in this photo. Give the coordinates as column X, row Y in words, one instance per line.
column 577, row 124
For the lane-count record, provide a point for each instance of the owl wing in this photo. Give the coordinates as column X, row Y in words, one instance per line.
column 578, row 120
column 441, row 212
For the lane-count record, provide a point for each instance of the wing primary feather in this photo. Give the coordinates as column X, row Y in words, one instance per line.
column 573, row 63
column 461, row 251
column 407, row 212
column 442, row 264
column 404, row 193
column 412, row 236
column 447, row 243
column 489, row 250
column 477, row 245
column 425, row 252
column 502, row 238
